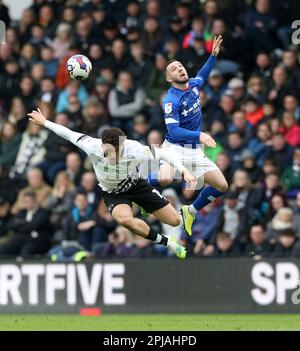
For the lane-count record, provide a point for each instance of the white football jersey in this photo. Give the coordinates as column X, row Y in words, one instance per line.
column 117, row 177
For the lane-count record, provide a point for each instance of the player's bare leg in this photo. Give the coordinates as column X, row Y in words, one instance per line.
column 168, row 215
column 123, row 215
column 217, row 180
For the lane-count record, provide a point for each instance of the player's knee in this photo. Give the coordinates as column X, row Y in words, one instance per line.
column 223, row 186
column 175, row 220
column 164, row 181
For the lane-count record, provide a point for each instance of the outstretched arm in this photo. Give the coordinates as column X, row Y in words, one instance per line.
column 78, row 139
column 208, row 66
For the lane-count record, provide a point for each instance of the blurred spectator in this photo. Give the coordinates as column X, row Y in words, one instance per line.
column 5, row 221
column 259, row 145
column 258, row 245
column 290, row 129
column 223, row 247
column 254, row 113
column 49, row 61
column 288, row 245
column 89, row 186
column 17, row 114
column 74, row 167
column 31, row 150
column 32, row 231
column 125, row 101
column 37, row 185
column 73, row 88
column 80, row 223
column 249, row 165
column 59, row 202
column 291, row 176
column 9, row 144
column 139, row 129
column 296, row 223
column 235, row 149
column 282, row 220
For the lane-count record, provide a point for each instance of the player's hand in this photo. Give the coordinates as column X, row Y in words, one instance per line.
column 216, row 45
column 190, row 179
column 207, row 140
column 37, row 117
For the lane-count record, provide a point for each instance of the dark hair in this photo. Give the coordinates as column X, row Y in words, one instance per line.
column 113, row 136
column 31, row 194
column 168, row 63
column 287, row 232
column 81, row 192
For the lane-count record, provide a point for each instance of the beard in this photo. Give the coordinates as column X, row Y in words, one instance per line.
column 181, row 81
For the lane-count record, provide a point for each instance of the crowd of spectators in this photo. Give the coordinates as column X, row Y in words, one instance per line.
column 49, row 197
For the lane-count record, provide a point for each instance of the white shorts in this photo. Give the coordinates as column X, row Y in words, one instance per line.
column 193, row 159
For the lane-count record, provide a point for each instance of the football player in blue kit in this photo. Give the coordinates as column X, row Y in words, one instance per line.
column 184, row 137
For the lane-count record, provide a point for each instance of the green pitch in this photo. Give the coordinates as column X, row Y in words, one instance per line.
column 152, row 322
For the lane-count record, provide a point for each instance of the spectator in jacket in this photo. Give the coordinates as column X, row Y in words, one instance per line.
column 280, row 152
column 291, row 176
column 31, row 150
column 258, row 244
column 37, row 185
column 32, row 231
column 89, row 186
column 5, row 221
column 259, row 145
column 9, row 145
column 72, row 88
column 282, row 220
column 288, row 245
column 290, row 129
column 125, row 101
column 80, row 223
column 223, row 247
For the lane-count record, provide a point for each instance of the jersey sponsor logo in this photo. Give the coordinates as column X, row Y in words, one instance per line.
column 196, row 91
column 168, row 108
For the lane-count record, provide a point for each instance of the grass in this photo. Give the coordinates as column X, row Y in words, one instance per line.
column 151, row 322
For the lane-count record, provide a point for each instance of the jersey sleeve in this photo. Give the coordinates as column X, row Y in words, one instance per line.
column 84, row 142
column 172, row 119
column 142, row 152
column 204, row 72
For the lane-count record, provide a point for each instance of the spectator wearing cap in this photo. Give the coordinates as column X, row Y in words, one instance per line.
column 288, row 245
column 237, row 86
column 216, row 86
column 280, row 152
column 260, row 143
column 32, row 230
column 250, row 166
column 125, row 101
column 258, row 245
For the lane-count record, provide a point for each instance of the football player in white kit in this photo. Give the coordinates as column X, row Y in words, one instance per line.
column 116, row 163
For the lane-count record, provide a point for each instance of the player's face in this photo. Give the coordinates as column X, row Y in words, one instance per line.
column 176, row 73
column 111, row 154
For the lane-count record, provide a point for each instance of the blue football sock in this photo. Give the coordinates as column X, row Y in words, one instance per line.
column 152, row 179
column 206, row 196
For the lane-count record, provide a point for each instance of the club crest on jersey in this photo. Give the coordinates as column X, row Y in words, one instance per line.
column 168, row 108
column 195, row 90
